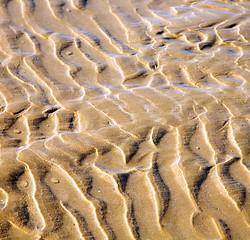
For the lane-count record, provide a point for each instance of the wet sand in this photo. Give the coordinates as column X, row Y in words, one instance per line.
column 124, row 119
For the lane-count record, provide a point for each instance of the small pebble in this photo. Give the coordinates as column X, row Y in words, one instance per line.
column 98, row 191
column 68, row 10
column 54, row 180
column 69, row 53
column 198, row 148
column 17, row 131
column 25, row 183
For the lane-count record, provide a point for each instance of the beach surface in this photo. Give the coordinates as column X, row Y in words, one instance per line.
column 124, row 119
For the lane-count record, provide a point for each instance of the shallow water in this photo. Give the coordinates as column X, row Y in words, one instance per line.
column 124, row 119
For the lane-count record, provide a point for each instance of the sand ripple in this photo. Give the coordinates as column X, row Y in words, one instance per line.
column 124, row 119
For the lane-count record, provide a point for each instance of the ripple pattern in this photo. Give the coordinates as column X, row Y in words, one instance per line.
column 124, row 119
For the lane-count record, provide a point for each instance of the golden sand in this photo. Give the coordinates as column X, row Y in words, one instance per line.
column 124, row 119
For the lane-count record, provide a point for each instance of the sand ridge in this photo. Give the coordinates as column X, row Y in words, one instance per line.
column 124, row 119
